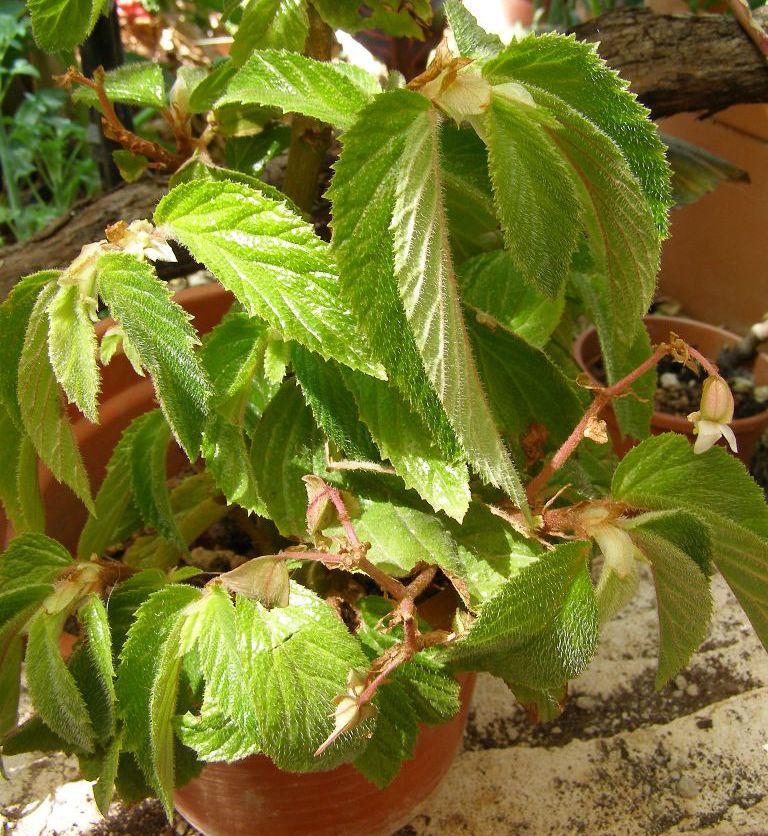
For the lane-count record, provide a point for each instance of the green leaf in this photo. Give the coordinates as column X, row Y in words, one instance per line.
column 296, row 659
column 403, row 438
column 296, row 84
column 472, row 40
column 150, row 438
column 271, row 260
column 663, row 473
column 51, row 685
column 203, row 96
column 621, row 355
column 394, row 737
column 574, row 72
column 524, row 386
column 131, row 166
column 675, row 545
column 695, row 172
column 363, row 197
column 126, row 598
column 402, row 537
column 266, row 23
column 468, row 193
column 541, row 628
column 29, row 568
column 116, row 517
column 233, row 357
column 138, row 83
column 34, row 736
column 282, row 454
column 489, row 553
column 42, row 410
column 104, row 788
column 408, row 20
column 19, row 487
column 14, row 316
column 492, row 286
column 622, row 239
column 61, row 24
column 160, row 331
column 98, row 647
column 428, row 289
column 333, row 404
column 11, row 656
column 520, row 152
column 72, row 349
column 147, row 681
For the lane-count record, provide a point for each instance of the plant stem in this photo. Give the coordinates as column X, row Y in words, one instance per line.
column 310, row 138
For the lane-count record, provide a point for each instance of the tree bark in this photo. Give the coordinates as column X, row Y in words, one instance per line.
column 678, row 63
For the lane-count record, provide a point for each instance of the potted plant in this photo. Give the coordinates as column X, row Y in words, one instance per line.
column 380, row 425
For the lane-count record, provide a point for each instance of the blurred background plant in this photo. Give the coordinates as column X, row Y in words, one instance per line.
column 43, row 149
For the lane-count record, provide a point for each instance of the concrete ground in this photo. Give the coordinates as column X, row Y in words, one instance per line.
column 621, row 760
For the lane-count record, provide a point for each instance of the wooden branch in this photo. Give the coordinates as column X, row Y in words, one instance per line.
column 678, row 63
column 57, row 244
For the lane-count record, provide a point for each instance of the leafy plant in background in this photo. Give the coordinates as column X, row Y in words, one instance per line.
column 387, row 407
column 43, row 153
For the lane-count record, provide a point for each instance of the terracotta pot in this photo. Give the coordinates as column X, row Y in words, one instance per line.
column 124, row 396
column 252, row 796
column 709, row 340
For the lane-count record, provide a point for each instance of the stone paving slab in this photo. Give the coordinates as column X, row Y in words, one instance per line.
column 622, row 759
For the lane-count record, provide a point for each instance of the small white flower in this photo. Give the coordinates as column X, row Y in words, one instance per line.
column 710, row 423
column 462, row 93
column 141, row 239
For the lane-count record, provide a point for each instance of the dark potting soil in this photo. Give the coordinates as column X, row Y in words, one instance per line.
column 678, row 389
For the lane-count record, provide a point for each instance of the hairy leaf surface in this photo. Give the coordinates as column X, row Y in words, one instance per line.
column 140, row 84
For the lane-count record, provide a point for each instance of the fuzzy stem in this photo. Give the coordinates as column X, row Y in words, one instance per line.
column 310, row 138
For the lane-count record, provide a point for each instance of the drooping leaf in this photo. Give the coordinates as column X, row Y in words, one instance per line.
column 673, row 543
column 534, row 189
column 138, row 83
column 573, row 71
column 492, row 286
column 695, row 172
column 402, row 437
column 72, row 349
column 126, row 598
column 333, row 404
column 19, row 487
column 363, row 197
column 297, row 84
column 147, row 678
column 160, row 331
column 150, row 438
column 408, row 20
column 471, row 39
column 271, row 260
column 104, row 788
column 541, row 628
column 14, row 316
column 270, row 23
column 98, row 647
column 282, row 454
column 41, row 405
column 116, row 516
column 62, row 24
column 11, row 657
column 620, row 355
column 428, row 289
column 663, row 473
column 51, row 685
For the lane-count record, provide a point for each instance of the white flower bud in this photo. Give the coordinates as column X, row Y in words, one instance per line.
column 710, row 423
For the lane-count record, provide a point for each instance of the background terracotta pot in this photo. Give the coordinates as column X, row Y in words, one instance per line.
column 710, row 341
column 251, row 796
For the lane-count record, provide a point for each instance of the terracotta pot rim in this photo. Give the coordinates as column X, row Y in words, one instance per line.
column 666, row 419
